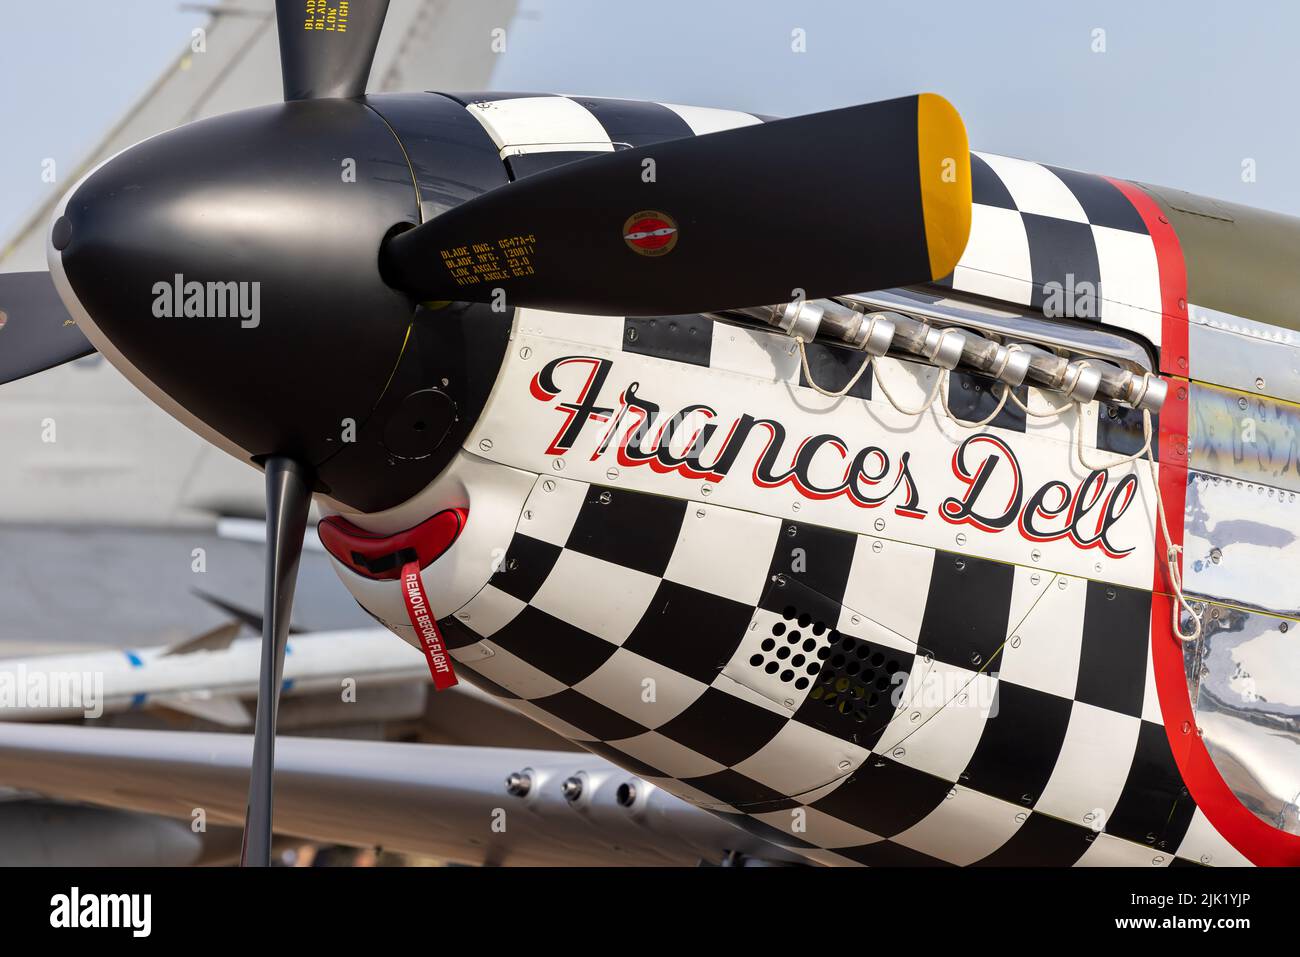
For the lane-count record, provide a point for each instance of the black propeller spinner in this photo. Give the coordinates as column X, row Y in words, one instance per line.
column 260, row 274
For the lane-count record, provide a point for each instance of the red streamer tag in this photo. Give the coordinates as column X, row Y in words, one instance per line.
column 426, row 627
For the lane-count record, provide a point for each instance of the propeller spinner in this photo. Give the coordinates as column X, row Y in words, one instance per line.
column 234, row 271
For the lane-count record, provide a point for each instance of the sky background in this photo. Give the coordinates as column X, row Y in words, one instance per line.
column 1182, row 95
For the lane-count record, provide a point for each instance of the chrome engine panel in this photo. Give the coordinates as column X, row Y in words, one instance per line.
column 1244, row 679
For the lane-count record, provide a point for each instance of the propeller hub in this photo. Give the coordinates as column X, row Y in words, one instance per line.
column 229, row 268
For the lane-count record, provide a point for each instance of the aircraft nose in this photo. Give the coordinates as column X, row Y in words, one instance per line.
column 231, row 266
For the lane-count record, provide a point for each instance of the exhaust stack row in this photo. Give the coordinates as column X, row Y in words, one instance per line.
column 950, row 347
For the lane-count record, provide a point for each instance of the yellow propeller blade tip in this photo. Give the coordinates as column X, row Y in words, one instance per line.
column 944, row 155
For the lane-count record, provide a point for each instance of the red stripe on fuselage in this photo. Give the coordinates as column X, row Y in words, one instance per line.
column 1260, row 842
column 1173, row 278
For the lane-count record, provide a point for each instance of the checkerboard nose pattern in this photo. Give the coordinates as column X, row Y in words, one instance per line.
column 1060, row 757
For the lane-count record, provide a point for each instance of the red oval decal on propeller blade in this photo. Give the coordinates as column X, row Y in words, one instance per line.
column 650, row 233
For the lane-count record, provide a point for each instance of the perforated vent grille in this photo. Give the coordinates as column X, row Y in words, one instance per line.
column 795, row 650
column 850, row 686
column 857, row 678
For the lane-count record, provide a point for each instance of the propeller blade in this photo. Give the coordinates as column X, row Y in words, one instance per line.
column 856, row 199
column 36, row 332
column 288, row 500
column 326, row 49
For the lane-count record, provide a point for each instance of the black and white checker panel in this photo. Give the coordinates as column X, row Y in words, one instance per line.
column 862, row 701
column 535, row 132
column 1032, row 225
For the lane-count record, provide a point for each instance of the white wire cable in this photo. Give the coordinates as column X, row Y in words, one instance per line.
column 984, row 421
column 1089, row 466
column 1053, row 411
column 929, row 401
column 936, row 392
column 838, row 394
column 1172, row 551
column 807, row 373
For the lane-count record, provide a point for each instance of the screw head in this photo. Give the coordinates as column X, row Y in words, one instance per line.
column 571, row 788
column 519, row 783
column 485, row 445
